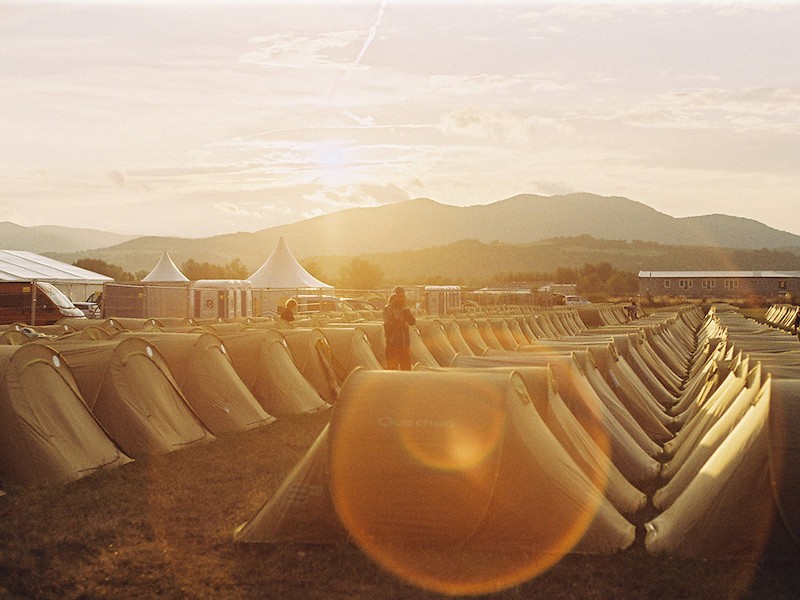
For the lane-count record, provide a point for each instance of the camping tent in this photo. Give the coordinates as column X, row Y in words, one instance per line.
column 263, row 361
column 202, row 369
column 47, row 434
column 427, row 469
column 128, row 386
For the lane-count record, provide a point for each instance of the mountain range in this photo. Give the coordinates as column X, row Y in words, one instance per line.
column 417, row 225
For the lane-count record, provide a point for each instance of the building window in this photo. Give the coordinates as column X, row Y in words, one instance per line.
column 782, row 284
column 708, row 284
column 731, row 284
column 685, row 283
column 667, row 283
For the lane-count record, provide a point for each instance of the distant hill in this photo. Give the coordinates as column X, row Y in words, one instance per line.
column 474, row 263
column 53, row 238
column 424, row 223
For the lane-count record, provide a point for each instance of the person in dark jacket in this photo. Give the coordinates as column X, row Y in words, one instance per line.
column 396, row 320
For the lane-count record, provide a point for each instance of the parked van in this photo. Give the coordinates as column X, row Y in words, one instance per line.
column 34, row 303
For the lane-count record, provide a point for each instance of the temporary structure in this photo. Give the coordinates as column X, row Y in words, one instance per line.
column 165, row 271
column 350, row 348
column 47, row 434
column 264, row 363
column 283, row 271
column 128, row 386
column 744, row 500
column 313, row 357
column 202, row 369
column 427, row 469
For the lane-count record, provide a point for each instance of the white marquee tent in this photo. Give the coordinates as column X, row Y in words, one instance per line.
column 165, row 270
column 283, row 271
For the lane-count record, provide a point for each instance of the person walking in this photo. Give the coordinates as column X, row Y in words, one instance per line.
column 397, row 318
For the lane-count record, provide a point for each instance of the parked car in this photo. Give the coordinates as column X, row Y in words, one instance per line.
column 572, row 300
column 34, row 303
column 91, row 306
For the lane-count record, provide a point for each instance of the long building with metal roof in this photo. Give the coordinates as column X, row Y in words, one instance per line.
column 701, row 284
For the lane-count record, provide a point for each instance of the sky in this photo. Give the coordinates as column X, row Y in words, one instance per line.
column 194, row 118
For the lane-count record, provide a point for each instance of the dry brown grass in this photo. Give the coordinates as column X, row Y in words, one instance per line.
column 161, row 528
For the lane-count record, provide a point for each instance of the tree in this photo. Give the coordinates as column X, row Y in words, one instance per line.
column 315, row 270
column 116, row 272
column 361, row 275
column 232, row 270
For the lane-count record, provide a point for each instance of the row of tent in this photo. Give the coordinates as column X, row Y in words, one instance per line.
column 565, row 443
column 533, row 434
column 83, row 396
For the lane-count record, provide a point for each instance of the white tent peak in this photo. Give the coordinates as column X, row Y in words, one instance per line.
column 281, row 270
column 165, row 270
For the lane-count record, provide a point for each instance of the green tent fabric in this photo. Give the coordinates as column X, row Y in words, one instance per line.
column 201, row 367
column 47, row 433
column 128, row 386
column 262, row 359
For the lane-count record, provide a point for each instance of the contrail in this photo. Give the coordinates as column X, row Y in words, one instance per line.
column 373, row 30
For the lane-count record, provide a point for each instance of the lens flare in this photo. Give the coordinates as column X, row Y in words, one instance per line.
column 436, row 477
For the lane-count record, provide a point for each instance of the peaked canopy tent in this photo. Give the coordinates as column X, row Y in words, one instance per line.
column 280, row 277
column 75, row 282
column 282, row 270
column 165, row 271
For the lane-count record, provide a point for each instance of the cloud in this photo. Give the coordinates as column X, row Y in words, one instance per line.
column 499, row 125
column 293, row 51
column 353, row 196
column 463, row 85
column 748, row 109
column 262, row 211
column 116, row 176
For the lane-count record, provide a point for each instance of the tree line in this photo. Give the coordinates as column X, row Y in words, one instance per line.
column 361, row 274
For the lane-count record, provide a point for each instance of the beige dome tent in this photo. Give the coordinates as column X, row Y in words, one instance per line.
column 47, row 433
column 437, row 342
column 744, row 500
column 128, row 386
column 350, row 348
column 428, row 469
column 200, row 365
column 313, row 357
column 591, row 401
column 262, row 360
column 165, row 271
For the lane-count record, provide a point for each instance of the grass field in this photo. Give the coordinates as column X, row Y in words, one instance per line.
column 162, row 528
